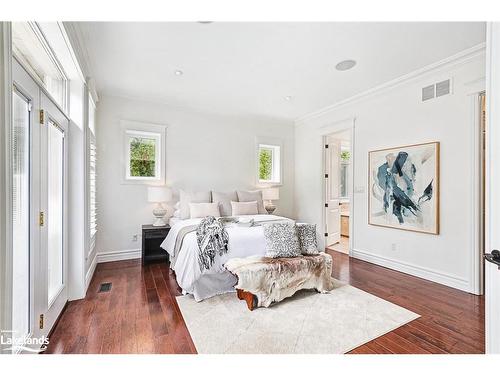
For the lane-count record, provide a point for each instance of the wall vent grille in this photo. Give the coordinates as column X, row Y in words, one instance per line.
column 442, row 88
column 428, row 93
column 436, row 90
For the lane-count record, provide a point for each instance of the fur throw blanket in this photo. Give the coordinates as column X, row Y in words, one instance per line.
column 212, row 240
column 274, row 279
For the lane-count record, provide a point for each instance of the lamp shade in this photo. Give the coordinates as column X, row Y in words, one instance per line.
column 158, row 194
column 271, row 194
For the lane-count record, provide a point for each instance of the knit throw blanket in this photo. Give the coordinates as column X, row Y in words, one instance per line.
column 212, row 240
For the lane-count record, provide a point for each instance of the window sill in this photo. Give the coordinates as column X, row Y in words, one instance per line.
column 269, row 184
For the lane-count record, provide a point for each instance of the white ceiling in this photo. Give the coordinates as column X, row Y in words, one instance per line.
column 248, row 68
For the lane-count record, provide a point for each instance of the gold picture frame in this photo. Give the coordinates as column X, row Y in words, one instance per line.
column 422, row 174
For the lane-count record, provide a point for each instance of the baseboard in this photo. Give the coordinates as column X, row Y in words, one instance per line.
column 90, row 272
column 414, row 270
column 113, row 256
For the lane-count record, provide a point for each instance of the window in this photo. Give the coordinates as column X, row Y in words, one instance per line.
column 269, row 163
column 142, row 155
column 31, row 49
column 92, row 177
column 144, row 152
column 345, row 157
column 20, row 156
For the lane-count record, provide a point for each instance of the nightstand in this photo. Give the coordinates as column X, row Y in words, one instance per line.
column 152, row 237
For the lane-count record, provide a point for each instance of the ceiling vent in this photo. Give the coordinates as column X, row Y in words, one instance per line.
column 436, row 90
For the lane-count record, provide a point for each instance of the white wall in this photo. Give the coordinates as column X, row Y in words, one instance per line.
column 204, row 151
column 395, row 116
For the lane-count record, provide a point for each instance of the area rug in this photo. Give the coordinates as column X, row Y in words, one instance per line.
column 308, row 322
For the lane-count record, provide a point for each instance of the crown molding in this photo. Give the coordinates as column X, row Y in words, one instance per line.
column 451, row 61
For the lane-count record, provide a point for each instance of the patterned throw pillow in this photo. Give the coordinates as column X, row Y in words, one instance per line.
column 281, row 240
column 307, row 238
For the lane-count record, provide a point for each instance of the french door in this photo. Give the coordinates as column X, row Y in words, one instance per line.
column 39, row 208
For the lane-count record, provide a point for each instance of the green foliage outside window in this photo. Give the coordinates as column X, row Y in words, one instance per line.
column 265, row 164
column 345, row 155
column 142, row 157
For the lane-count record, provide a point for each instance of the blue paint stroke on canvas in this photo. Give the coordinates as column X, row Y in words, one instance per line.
column 396, row 179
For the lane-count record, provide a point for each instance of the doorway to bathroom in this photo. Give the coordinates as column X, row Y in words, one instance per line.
column 337, row 151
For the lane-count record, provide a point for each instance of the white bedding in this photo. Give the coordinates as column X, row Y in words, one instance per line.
column 243, row 242
column 173, row 220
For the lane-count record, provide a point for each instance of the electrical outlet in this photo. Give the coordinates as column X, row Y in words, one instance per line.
column 134, row 238
column 393, row 247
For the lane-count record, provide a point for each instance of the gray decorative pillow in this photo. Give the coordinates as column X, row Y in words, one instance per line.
column 307, row 238
column 224, row 200
column 250, row 196
column 281, row 240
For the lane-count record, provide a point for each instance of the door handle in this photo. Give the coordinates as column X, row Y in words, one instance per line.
column 494, row 257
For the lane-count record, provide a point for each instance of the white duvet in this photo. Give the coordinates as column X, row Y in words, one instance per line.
column 243, row 242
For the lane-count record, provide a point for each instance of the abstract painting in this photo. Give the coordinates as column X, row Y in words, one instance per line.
column 404, row 187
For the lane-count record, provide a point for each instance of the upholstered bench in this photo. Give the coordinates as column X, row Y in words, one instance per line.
column 262, row 281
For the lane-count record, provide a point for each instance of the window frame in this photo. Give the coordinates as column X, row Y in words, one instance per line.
column 27, row 65
column 147, row 130
column 276, row 146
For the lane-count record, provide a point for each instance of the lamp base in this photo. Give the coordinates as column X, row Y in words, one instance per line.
column 270, row 208
column 159, row 223
column 159, row 212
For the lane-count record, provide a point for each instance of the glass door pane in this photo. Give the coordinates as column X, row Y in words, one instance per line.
column 21, row 216
column 55, row 212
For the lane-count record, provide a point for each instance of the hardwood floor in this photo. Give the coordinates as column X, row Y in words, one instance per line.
column 342, row 246
column 140, row 315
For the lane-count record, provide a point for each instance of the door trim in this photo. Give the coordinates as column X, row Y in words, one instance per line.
column 492, row 217
column 478, row 222
column 335, row 127
column 5, row 180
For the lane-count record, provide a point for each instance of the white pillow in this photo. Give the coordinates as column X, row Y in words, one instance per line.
column 187, row 197
column 177, row 213
column 250, row 196
column 203, row 210
column 244, row 208
column 224, row 200
column 177, row 206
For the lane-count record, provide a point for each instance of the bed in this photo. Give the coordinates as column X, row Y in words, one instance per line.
column 182, row 247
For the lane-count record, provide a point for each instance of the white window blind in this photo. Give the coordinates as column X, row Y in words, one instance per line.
column 92, row 187
column 92, row 191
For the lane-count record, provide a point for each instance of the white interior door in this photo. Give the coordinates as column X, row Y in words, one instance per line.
column 492, row 222
column 332, row 190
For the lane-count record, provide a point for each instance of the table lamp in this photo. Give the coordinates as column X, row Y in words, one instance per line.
column 270, row 195
column 159, row 195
